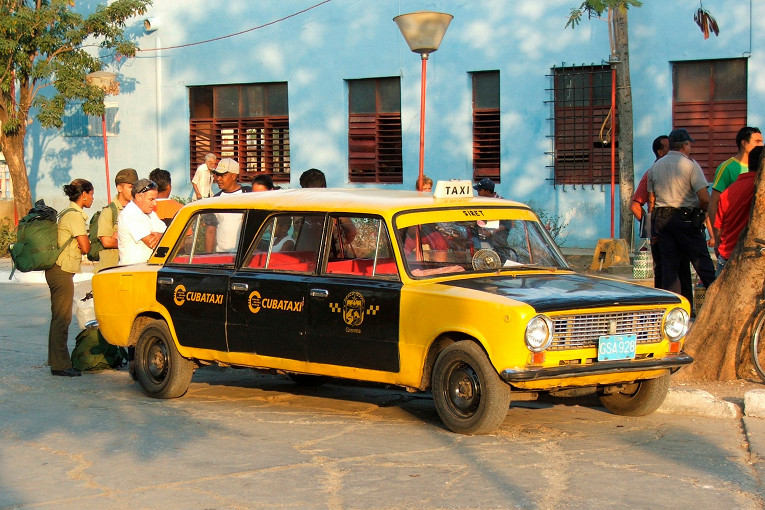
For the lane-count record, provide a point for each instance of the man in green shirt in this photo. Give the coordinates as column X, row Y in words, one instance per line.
column 747, row 139
column 107, row 222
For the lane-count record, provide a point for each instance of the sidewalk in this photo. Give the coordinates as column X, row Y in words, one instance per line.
column 712, row 399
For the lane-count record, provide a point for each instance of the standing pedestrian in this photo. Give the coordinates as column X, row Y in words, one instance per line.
column 660, row 149
column 203, row 177
column 140, row 229
column 72, row 229
column 485, row 188
column 747, row 139
column 107, row 220
column 735, row 208
column 167, row 207
column 678, row 199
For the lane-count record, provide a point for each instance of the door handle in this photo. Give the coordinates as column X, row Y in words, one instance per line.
column 165, row 280
column 239, row 287
column 319, row 293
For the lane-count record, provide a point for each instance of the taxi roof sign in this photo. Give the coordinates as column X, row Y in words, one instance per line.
column 453, row 188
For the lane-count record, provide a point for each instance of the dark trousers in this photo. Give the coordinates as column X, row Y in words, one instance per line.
column 684, row 272
column 61, row 286
column 679, row 240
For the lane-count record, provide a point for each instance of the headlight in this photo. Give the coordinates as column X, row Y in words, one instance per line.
column 539, row 333
column 676, row 324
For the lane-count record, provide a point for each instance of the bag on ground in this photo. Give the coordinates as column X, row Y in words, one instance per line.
column 85, row 310
column 95, row 240
column 36, row 247
column 92, row 352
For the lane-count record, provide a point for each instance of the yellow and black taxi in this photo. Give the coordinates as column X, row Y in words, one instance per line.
column 467, row 297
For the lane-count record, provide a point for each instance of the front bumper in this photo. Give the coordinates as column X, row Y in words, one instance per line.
column 600, row 368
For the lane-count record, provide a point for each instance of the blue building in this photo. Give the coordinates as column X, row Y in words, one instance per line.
column 511, row 95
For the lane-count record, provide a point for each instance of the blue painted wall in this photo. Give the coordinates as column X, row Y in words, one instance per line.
column 315, row 52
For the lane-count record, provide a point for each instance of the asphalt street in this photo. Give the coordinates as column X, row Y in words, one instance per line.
column 241, row 439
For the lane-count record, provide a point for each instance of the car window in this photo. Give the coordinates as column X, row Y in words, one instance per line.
column 209, row 239
column 287, row 243
column 360, row 246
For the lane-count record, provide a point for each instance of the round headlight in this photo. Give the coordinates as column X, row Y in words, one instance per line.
column 676, row 324
column 539, row 333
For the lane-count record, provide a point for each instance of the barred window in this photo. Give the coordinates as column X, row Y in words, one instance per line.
column 374, row 130
column 78, row 123
column 709, row 100
column 486, row 132
column 249, row 123
column 582, row 125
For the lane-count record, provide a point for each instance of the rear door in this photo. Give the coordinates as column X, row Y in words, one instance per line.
column 353, row 305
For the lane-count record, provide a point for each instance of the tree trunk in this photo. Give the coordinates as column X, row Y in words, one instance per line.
column 719, row 339
column 13, row 150
column 624, row 109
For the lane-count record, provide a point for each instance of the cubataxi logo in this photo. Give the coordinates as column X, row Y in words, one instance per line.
column 181, row 295
column 255, row 302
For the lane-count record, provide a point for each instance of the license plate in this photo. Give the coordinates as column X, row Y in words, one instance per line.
column 614, row 347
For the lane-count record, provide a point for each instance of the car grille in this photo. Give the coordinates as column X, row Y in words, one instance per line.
column 583, row 330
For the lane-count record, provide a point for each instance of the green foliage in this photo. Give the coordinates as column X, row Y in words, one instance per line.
column 7, row 236
column 595, row 8
column 182, row 200
column 555, row 224
column 42, row 45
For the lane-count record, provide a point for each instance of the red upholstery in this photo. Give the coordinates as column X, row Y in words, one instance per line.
column 362, row 267
column 219, row 259
column 302, row 261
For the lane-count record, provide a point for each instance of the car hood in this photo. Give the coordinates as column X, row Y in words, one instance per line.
column 553, row 292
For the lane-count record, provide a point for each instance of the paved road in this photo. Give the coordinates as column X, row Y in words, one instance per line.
column 245, row 440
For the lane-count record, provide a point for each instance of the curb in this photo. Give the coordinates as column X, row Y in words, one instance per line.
column 701, row 403
column 754, row 403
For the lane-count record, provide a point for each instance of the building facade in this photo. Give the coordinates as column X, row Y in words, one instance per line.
column 511, row 95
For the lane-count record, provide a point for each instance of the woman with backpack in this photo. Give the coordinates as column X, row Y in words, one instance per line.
column 73, row 238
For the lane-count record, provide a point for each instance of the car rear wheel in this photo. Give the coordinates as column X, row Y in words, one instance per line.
column 159, row 367
column 468, row 393
column 637, row 399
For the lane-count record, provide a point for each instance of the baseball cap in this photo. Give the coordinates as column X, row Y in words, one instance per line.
column 680, row 135
column 486, row 184
column 227, row 165
column 126, row 175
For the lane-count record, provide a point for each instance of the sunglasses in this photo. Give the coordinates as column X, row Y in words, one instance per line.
column 150, row 186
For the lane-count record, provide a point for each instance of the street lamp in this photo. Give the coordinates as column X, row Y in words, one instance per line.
column 107, row 82
column 423, row 32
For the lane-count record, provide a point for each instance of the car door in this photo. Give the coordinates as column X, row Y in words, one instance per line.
column 193, row 284
column 353, row 304
column 267, row 295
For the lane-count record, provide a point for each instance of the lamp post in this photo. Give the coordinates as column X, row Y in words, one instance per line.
column 423, row 32
column 107, row 82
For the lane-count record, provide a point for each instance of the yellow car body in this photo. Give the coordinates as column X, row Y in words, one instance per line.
column 394, row 287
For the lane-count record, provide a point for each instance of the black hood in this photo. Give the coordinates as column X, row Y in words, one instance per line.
column 552, row 292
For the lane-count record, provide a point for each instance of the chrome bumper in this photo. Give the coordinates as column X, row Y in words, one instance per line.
column 601, row 367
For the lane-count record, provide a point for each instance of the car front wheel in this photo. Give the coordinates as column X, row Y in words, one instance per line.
column 159, row 367
column 637, row 399
column 469, row 395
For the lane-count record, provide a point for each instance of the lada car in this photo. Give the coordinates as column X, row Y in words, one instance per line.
column 466, row 297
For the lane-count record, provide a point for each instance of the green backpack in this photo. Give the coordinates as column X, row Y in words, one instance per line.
column 92, row 352
column 36, row 247
column 95, row 242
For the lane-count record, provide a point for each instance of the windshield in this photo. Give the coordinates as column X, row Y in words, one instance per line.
column 489, row 244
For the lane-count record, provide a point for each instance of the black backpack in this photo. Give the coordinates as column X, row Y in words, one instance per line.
column 95, row 241
column 36, row 247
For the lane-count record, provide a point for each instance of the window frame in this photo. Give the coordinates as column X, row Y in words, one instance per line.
column 375, row 142
column 487, row 141
column 259, row 143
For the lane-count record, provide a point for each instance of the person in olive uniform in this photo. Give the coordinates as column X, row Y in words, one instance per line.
column 71, row 225
column 107, row 222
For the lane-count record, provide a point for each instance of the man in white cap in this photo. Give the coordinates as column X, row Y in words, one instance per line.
column 224, row 228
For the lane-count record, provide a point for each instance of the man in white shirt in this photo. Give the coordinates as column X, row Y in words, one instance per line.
column 203, row 177
column 140, row 229
column 223, row 228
